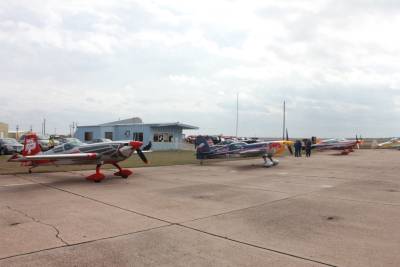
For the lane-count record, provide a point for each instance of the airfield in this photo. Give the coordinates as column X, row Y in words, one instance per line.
column 326, row 210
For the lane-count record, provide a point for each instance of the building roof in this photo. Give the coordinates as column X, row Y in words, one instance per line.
column 177, row 124
column 138, row 121
column 127, row 121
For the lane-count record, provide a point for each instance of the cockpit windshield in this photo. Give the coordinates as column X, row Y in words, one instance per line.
column 72, row 144
column 67, row 146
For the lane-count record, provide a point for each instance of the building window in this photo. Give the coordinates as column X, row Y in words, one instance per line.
column 108, row 135
column 138, row 137
column 88, row 136
column 163, row 137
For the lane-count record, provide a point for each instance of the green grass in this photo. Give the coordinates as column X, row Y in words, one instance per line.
column 159, row 158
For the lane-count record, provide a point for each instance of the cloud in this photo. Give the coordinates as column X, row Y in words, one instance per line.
column 335, row 62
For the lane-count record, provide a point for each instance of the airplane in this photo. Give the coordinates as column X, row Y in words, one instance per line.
column 78, row 153
column 392, row 143
column 205, row 149
column 344, row 145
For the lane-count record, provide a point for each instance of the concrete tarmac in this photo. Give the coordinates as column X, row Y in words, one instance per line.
column 326, row 210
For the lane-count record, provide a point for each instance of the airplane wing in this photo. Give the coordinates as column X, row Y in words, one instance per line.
column 54, row 157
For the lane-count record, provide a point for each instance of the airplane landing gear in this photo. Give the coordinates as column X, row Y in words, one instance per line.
column 98, row 176
column 30, row 169
column 124, row 173
column 269, row 161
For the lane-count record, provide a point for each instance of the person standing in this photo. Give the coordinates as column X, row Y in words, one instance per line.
column 308, row 145
column 297, row 148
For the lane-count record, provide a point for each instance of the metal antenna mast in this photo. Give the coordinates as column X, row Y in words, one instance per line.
column 284, row 120
column 237, row 114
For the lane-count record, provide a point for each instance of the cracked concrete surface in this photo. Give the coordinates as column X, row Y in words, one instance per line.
column 40, row 222
column 322, row 211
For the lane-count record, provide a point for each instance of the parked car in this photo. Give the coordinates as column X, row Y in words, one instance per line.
column 100, row 140
column 9, row 146
column 44, row 141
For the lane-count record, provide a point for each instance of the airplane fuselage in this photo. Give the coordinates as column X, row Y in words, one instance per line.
column 109, row 153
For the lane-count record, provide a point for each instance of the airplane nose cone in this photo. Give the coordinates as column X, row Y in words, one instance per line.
column 136, row 144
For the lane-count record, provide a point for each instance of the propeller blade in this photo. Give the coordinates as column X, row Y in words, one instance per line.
column 142, row 156
column 289, row 147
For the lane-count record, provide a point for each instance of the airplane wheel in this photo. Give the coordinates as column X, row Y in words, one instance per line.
column 29, row 171
column 124, row 176
column 97, row 181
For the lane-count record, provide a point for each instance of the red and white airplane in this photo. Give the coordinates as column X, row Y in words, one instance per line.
column 78, row 153
column 345, row 146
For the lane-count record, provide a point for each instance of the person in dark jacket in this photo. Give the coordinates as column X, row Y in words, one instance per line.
column 308, row 148
column 297, row 148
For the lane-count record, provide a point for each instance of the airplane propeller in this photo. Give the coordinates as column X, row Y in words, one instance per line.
column 142, row 156
column 289, row 147
column 136, row 146
column 358, row 141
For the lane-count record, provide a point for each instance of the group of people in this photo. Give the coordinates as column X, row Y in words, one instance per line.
column 298, row 146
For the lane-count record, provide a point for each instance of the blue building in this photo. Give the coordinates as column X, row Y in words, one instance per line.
column 163, row 136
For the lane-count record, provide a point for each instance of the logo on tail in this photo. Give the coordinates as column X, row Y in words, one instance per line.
column 202, row 144
column 31, row 145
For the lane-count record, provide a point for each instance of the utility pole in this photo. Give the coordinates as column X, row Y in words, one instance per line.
column 74, row 124
column 44, row 126
column 17, row 134
column 237, row 114
column 284, row 120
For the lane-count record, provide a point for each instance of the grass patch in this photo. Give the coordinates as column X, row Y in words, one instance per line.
column 158, row 158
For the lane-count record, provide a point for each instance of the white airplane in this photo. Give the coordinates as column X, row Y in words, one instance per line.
column 392, row 143
column 78, row 153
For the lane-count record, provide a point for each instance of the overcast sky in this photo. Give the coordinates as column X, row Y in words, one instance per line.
column 337, row 64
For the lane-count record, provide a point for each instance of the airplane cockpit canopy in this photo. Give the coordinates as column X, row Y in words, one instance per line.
column 67, row 146
column 235, row 146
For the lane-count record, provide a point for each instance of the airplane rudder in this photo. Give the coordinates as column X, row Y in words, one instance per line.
column 31, row 145
column 202, row 145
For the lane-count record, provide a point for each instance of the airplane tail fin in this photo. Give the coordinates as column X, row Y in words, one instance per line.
column 202, row 146
column 31, row 145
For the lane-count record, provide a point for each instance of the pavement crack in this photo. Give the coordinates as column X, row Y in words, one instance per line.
column 40, row 222
column 257, row 246
column 96, row 200
column 249, row 207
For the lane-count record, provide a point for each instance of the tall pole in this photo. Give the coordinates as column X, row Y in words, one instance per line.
column 74, row 125
column 284, row 120
column 44, row 126
column 237, row 114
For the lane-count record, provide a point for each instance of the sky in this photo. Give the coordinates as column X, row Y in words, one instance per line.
column 336, row 63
